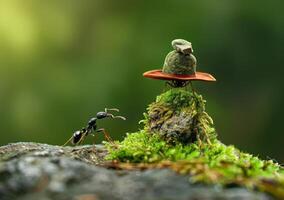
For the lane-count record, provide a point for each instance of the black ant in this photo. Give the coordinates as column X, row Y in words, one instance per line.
column 79, row 136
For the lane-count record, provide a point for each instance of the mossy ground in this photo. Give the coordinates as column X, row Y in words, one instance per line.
column 205, row 159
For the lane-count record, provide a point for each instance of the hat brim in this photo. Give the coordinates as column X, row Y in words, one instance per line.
column 198, row 76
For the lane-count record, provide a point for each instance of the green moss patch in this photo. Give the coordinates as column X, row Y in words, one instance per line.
column 179, row 134
column 213, row 163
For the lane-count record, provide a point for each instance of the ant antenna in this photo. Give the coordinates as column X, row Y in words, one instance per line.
column 113, row 116
column 111, row 109
column 116, row 117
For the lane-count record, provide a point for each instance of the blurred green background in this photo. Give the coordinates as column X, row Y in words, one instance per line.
column 63, row 61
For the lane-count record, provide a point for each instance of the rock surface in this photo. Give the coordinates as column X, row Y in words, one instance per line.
column 40, row 171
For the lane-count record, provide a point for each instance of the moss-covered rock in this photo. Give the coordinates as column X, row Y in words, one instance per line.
column 179, row 116
column 179, row 134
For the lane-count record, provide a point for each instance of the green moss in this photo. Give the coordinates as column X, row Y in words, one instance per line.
column 141, row 147
column 179, row 116
column 205, row 159
column 213, row 163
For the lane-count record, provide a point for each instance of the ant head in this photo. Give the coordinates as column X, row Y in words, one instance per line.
column 76, row 137
column 101, row 115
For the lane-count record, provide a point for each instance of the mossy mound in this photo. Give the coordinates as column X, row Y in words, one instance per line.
column 191, row 147
column 179, row 116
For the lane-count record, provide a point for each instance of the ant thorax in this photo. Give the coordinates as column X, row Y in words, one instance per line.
column 92, row 121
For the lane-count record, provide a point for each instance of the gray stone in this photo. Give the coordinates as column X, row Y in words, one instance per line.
column 39, row 171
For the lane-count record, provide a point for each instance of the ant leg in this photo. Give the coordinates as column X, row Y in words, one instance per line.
column 116, row 117
column 111, row 109
column 107, row 136
column 67, row 141
column 94, row 138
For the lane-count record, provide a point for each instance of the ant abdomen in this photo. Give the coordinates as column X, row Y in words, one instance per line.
column 77, row 135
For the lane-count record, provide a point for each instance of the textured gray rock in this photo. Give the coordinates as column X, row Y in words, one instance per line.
column 40, row 171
